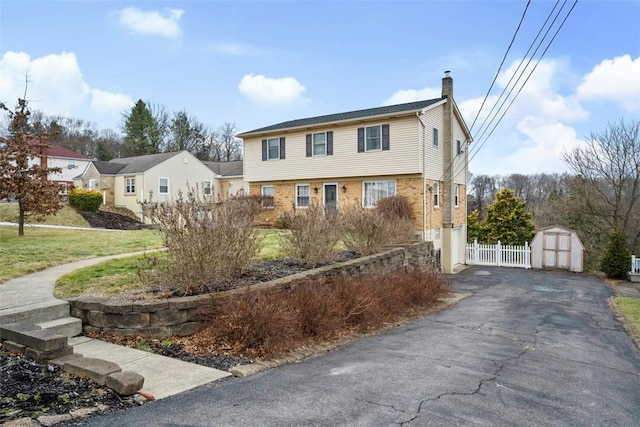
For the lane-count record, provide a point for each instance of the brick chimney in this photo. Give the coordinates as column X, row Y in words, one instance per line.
column 448, row 235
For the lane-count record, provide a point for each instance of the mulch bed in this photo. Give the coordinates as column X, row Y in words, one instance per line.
column 113, row 221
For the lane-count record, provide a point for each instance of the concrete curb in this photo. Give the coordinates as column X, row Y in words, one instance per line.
column 295, row 356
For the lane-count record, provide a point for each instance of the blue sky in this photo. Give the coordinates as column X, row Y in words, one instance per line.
column 260, row 63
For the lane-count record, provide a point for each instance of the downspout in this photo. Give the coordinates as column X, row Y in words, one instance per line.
column 424, row 175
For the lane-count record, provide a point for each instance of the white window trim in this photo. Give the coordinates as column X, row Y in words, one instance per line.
column 436, row 137
column 308, row 196
column 126, row 185
column 458, row 147
column 93, row 181
column 313, row 145
column 380, row 138
column 269, row 158
column 457, row 196
column 436, row 194
column 210, row 187
column 273, row 188
column 168, row 187
column 386, row 181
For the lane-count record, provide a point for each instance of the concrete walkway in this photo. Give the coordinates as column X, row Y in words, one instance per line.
column 163, row 376
column 61, row 227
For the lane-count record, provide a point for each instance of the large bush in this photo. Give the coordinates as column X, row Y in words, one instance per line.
column 85, row 200
column 368, row 231
column 207, row 243
column 616, row 262
column 262, row 323
column 313, row 235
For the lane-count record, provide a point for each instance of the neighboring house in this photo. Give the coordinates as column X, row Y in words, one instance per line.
column 70, row 163
column 417, row 149
column 230, row 178
column 124, row 182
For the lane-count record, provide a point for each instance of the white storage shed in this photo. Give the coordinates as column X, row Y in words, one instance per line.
column 557, row 247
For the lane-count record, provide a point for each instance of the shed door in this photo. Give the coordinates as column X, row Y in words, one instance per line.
column 556, row 250
column 455, row 247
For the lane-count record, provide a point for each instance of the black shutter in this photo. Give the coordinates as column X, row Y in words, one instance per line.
column 264, row 150
column 385, row 137
column 329, row 143
column 282, row 147
column 309, row 152
column 360, row 140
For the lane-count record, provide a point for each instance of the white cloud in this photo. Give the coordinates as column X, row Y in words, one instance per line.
column 411, row 95
column 266, row 90
column 616, row 79
column 56, row 86
column 108, row 102
column 152, row 22
column 233, row 49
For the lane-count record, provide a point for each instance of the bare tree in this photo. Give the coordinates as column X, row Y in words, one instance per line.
column 608, row 184
column 21, row 176
column 484, row 188
column 187, row 133
column 225, row 146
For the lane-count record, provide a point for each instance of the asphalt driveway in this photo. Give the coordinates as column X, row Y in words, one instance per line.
column 527, row 348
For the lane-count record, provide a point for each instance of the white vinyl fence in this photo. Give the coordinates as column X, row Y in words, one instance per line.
column 635, row 265
column 499, row 255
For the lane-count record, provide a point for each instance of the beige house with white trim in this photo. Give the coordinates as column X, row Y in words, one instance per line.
column 417, row 149
column 124, row 182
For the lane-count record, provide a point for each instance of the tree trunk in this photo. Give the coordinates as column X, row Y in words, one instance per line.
column 20, row 218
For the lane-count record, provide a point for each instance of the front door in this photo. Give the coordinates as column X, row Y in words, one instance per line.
column 330, row 197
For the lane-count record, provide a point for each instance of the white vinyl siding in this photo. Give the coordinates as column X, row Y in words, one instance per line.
column 372, row 191
column 345, row 161
column 302, row 195
column 163, row 185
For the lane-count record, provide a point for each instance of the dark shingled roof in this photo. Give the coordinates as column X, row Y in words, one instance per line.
column 107, row 168
column 141, row 163
column 350, row 115
column 234, row 168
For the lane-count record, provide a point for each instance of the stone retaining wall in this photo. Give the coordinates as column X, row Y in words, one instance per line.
column 163, row 318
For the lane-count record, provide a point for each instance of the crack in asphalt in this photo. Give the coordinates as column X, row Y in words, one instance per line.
column 499, row 367
column 554, row 356
column 383, row 405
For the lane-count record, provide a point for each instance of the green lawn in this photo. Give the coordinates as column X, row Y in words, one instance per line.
column 65, row 216
column 41, row 248
column 630, row 308
column 117, row 275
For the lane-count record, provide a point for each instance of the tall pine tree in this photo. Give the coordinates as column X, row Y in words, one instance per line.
column 507, row 221
column 140, row 131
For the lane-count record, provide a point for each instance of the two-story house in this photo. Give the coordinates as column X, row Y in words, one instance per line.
column 69, row 162
column 417, row 149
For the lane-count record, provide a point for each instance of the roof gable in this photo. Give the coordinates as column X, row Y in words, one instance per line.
column 350, row 115
column 140, row 164
column 54, row 150
column 234, row 168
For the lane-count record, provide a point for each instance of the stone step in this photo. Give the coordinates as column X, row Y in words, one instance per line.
column 38, row 312
column 67, row 326
column 32, row 336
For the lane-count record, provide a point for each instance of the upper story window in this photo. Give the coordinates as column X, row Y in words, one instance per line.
column 302, row 195
column 273, row 149
column 130, row 185
column 206, row 188
column 71, row 164
column 376, row 190
column 436, row 194
column 458, row 147
column 456, row 197
column 373, row 138
column 267, row 192
column 319, row 144
column 163, row 185
column 435, row 137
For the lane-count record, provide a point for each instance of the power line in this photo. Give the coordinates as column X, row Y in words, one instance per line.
column 501, row 64
column 528, row 77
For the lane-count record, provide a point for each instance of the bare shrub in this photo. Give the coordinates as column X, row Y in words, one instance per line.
column 395, row 207
column 368, row 231
column 314, row 235
column 254, row 323
column 274, row 321
column 206, row 242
